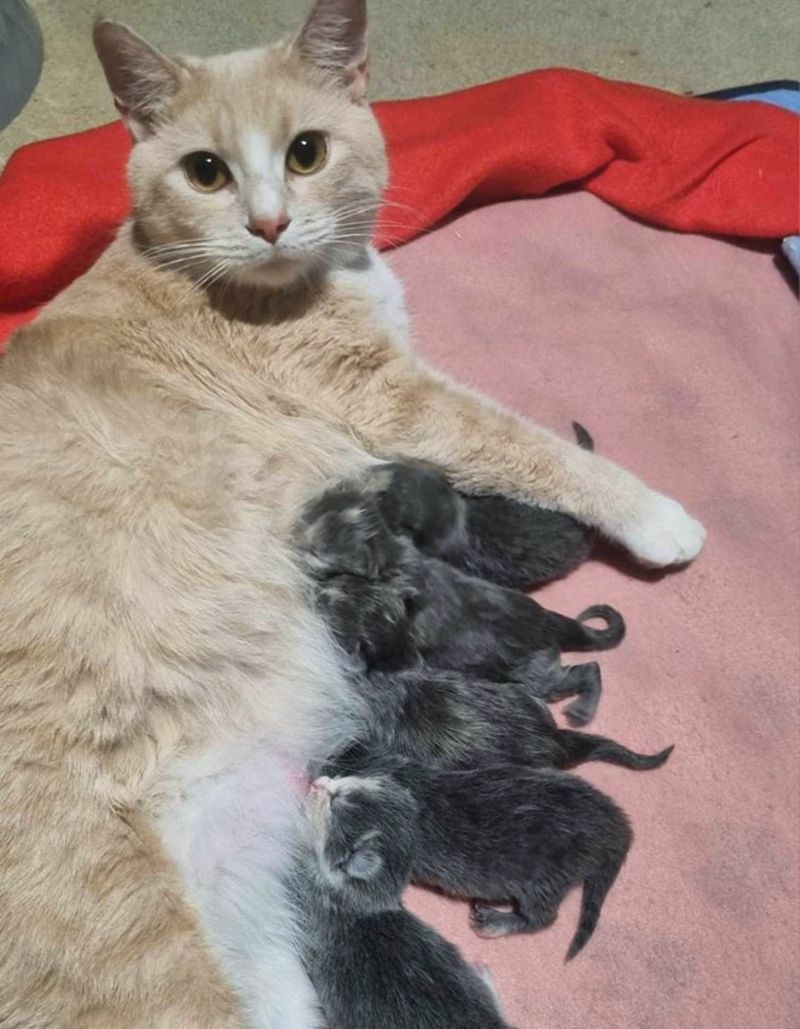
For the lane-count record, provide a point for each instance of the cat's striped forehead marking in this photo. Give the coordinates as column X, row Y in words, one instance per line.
column 244, row 93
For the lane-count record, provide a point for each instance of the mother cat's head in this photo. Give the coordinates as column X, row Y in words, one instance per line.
column 262, row 165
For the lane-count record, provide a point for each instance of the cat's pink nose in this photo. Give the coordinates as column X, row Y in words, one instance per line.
column 269, row 228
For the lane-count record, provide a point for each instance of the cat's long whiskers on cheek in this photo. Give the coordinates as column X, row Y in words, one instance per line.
column 178, row 264
column 163, row 254
column 400, row 206
column 187, row 259
column 188, row 244
column 189, row 241
column 207, row 251
column 370, row 215
column 207, row 279
column 212, row 274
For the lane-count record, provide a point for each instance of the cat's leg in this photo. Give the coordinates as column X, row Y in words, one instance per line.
column 97, row 932
column 404, row 409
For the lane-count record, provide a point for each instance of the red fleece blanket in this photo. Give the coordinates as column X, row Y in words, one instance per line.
column 692, row 165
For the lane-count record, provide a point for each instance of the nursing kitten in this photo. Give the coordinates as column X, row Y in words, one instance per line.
column 452, row 720
column 393, row 604
column 163, row 423
column 499, row 834
column 491, row 537
column 372, row 962
column 354, row 528
column 454, row 622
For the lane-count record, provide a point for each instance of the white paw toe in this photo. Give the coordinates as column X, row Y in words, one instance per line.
column 664, row 534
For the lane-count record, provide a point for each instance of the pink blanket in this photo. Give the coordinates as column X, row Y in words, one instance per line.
column 679, row 354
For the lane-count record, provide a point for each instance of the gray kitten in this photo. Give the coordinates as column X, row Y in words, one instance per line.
column 492, row 537
column 402, row 615
column 369, row 545
column 499, row 834
column 453, row 721
column 373, row 963
column 495, row 538
column 423, row 611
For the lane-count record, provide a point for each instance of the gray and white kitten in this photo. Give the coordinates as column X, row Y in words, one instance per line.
column 495, row 835
column 371, row 961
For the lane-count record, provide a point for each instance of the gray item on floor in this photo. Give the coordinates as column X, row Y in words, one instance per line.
column 21, row 57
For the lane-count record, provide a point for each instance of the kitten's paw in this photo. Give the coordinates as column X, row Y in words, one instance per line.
column 580, row 713
column 664, row 533
column 488, row 922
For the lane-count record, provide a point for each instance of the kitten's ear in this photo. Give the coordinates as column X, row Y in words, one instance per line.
column 334, row 38
column 142, row 79
column 365, row 862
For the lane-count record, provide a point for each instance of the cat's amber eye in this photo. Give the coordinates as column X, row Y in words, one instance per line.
column 307, row 153
column 206, row 172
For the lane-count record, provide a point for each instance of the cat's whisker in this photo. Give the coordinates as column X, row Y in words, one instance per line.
column 199, row 255
column 173, row 244
column 168, row 248
column 203, row 250
column 400, row 206
column 211, row 276
column 172, row 255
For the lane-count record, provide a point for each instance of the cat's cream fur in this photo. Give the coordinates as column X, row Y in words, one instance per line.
column 162, row 675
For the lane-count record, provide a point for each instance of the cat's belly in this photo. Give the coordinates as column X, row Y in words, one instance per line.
column 230, row 830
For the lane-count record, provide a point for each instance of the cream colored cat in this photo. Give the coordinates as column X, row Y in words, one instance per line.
column 162, row 677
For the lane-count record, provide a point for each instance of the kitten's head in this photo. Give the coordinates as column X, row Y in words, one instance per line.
column 342, row 532
column 262, row 165
column 372, row 620
column 366, row 833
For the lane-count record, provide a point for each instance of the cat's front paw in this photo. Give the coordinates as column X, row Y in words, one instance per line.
column 663, row 533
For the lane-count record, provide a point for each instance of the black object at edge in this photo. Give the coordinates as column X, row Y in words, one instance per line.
column 756, row 87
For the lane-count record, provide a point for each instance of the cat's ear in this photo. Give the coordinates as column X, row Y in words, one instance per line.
column 142, row 79
column 364, row 862
column 334, row 38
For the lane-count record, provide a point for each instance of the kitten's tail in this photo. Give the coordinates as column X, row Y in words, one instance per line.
column 573, row 634
column 612, row 635
column 596, row 887
column 582, row 436
column 583, row 746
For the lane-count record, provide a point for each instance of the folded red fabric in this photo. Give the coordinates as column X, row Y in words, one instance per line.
column 686, row 164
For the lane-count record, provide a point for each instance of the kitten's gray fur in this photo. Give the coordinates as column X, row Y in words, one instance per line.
column 452, row 720
column 372, row 546
column 493, row 537
column 373, row 963
column 401, row 615
column 504, row 833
